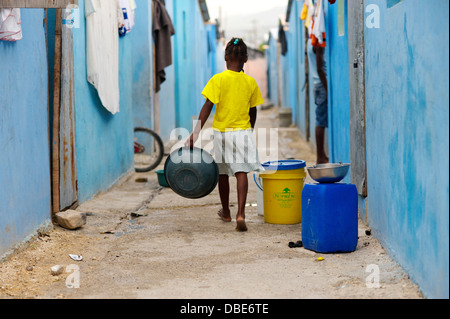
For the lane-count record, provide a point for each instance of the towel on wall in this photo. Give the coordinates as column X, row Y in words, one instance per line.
column 10, row 25
column 102, row 51
column 163, row 30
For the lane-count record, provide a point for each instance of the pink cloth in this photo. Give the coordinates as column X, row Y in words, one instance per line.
column 10, row 25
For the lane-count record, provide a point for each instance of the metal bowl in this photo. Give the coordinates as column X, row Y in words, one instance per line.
column 191, row 173
column 328, row 173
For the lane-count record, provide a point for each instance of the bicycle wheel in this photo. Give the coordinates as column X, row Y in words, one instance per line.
column 148, row 150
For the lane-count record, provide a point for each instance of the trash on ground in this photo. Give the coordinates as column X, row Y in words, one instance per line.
column 137, row 214
column 76, row 257
column 297, row 244
column 320, row 259
column 108, row 232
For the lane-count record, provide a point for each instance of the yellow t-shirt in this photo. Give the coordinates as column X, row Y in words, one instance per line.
column 233, row 93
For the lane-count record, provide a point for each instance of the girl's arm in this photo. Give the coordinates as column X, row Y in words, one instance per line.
column 253, row 114
column 203, row 117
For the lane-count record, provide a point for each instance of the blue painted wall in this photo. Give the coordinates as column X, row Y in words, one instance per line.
column 25, row 196
column 407, row 118
column 167, row 94
column 294, row 68
column 142, row 61
column 338, row 84
column 191, row 61
column 104, row 142
column 272, row 67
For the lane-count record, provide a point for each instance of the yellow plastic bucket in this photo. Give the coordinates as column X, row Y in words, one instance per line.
column 282, row 191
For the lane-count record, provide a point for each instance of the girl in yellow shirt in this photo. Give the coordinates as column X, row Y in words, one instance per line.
column 236, row 96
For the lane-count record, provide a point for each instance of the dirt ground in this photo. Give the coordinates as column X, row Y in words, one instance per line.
column 144, row 241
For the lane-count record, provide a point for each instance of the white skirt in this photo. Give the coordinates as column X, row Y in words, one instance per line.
column 235, row 152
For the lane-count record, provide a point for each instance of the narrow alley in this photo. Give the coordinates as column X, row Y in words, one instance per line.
column 142, row 241
column 96, row 95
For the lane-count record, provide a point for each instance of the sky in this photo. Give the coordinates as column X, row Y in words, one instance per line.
column 250, row 19
column 241, row 7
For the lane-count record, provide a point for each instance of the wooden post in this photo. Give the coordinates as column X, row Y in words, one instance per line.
column 56, row 113
column 60, row 4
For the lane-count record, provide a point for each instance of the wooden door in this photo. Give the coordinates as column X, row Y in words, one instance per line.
column 357, row 95
column 64, row 172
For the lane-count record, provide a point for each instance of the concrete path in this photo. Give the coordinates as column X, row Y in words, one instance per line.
column 143, row 241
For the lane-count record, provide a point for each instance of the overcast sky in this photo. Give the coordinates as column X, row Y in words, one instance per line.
column 242, row 7
column 247, row 18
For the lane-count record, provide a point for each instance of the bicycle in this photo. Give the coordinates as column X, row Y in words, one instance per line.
column 148, row 150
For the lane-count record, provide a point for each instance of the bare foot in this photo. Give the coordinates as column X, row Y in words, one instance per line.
column 240, row 224
column 224, row 215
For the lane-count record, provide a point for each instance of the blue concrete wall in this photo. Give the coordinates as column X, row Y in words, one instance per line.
column 25, row 195
column 167, row 94
column 142, row 61
column 272, row 67
column 407, row 118
column 338, row 86
column 104, row 142
column 294, row 67
column 191, row 67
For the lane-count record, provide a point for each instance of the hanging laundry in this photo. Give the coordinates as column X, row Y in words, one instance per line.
column 102, row 51
column 127, row 19
column 304, row 13
column 309, row 16
column 163, row 30
column 282, row 39
column 120, row 20
column 10, row 25
column 318, row 33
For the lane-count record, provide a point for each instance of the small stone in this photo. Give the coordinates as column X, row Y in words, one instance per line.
column 57, row 270
column 71, row 219
column 29, row 268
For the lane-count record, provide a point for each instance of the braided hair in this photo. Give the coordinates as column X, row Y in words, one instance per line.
column 236, row 49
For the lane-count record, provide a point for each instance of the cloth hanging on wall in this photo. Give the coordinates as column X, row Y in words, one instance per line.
column 163, row 30
column 10, row 25
column 126, row 17
column 282, row 39
column 102, row 51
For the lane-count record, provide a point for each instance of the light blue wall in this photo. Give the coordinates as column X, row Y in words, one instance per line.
column 294, row 68
column 104, row 142
column 191, row 66
column 338, row 84
column 272, row 67
column 167, row 93
column 407, row 119
column 142, row 61
column 25, row 195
